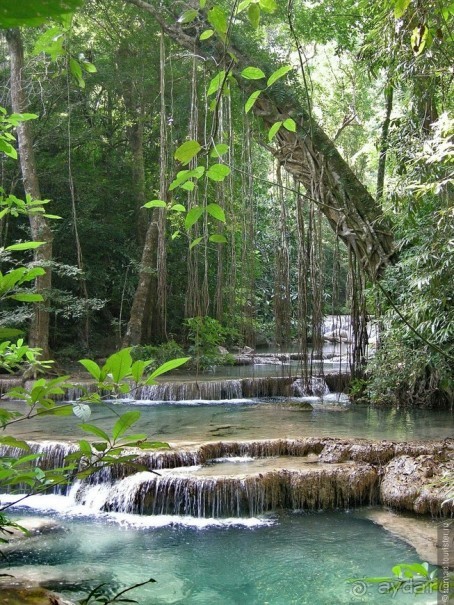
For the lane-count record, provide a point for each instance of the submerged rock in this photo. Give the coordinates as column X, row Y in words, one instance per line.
column 30, row 596
column 297, row 406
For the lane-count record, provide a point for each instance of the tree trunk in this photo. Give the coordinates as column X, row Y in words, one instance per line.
column 147, row 274
column 307, row 154
column 39, row 330
column 389, row 93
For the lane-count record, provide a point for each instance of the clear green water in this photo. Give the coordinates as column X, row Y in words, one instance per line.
column 297, row 559
column 241, row 420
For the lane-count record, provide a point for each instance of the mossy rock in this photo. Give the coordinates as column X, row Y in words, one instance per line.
column 296, row 406
column 29, row 596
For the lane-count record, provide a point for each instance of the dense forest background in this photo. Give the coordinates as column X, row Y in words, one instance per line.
column 250, row 246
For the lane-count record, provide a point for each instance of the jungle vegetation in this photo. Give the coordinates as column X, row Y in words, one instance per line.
column 245, row 167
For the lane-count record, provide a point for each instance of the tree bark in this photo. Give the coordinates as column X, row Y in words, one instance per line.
column 307, row 154
column 147, row 275
column 40, row 229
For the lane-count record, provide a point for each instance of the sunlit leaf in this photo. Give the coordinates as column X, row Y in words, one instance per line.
column 218, row 172
column 187, row 151
column 290, row 124
column 205, row 35
column 218, row 19
column 251, row 101
column 252, row 73
column 166, row 367
column 219, row 149
column 25, row 246
column 279, row 73
column 274, row 130
column 218, row 239
column 253, row 14
column 155, row 204
column 400, row 8
column 216, row 212
column 193, row 216
column 188, row 16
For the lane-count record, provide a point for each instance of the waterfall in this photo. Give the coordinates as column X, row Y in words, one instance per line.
column 314, row 385
column 222, row 496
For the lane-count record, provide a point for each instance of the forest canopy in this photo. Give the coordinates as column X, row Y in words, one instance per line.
column 257, row 164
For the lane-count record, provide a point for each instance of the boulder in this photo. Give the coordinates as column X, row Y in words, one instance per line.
column 30, row 596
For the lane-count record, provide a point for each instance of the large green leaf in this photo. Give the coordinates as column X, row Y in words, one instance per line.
column 251, row 101
column 218, row 19
column 400, row 7
column 24, row 246
column 279, row 73
column 218, row 172
column 166, row 367
column 14, row 13
column 91, row 428
column 118, row 365
column 252, row 73
column 216, row 212
column 187, row 151
column 92, row 367
column 26, row 297
column 124, row 423
column 193, row 216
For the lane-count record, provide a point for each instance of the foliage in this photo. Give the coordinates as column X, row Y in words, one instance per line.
column 414, row 362
column 206, row 335
column 416, row 578
column 159, row 354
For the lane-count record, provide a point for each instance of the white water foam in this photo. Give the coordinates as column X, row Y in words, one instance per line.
column 66, row 507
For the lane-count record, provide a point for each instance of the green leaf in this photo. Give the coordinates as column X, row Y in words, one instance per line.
column 219, row 149
column 216, row 83
column 187, row 151
column 253, row 14
column 193, row 216
column 25, row 246
column 279, row 73
column 242, row 5
column 82, row 411
column 138, row 368
column 13, row 442
column 7, row 333
column 252, row 73
column 268, row 6
column 290, row 124
column 118, row 365
column 155, row 204
column 76, row 71
column 218, row 172
column 274, row 130
column 8, row 149
column 25, row 297
column 85, row 448
column 188, row 186
column 206, row 34
column 91, row 367
column 251, row 101
column 202, row 3
column 218, row 19
column 188, row 16
column 89, row 67
column 216, row 212
column 178, row 208
column 166, row 367
column 32, row 13
column 218, row 239
column 195, row 242
column 400, row 7
column 124, row 423
column 91, row 428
